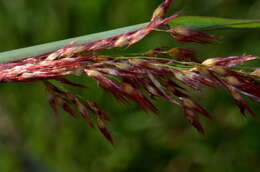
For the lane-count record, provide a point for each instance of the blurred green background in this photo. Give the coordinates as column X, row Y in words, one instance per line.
column 33, row 140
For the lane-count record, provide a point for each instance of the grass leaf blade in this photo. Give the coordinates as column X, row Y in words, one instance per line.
column 213, row 23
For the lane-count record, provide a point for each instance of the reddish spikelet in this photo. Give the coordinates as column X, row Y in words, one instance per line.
column 95, row 109
column 189, row 104
column 155, row 52
column 149, row 66
column 187, row 78
column 185, row 35
column 176, row 91
column 205, row 77
column 66, row 52
column 241, row 82
column 106, row 84
column 84, row 112
column 139, row 35
column 123, row 66
column 66, row 106
column 181, row 54
column 243, row 106
column 138, row 97
column 102, row 128
column 151, row 90
column 228, row 62
column 115, row 72
column 163, row 92
column 160, row 12
column 192, row 118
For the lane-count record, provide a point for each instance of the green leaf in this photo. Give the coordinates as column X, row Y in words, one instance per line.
column 213, row 23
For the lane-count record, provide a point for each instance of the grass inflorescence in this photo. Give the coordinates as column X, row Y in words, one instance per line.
column 164, row 72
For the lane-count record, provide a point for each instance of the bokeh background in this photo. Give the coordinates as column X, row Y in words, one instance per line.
column 34, row 140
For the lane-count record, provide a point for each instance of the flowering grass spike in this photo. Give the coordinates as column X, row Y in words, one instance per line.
column 168, row 73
